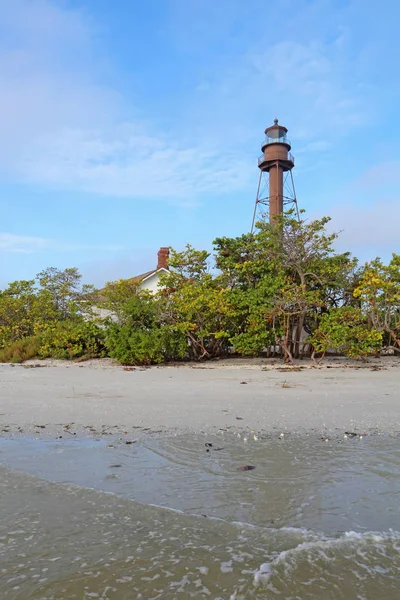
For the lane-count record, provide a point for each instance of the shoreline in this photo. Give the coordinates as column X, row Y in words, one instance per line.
column 97, row 398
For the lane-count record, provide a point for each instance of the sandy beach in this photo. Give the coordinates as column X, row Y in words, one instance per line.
column 59, row 398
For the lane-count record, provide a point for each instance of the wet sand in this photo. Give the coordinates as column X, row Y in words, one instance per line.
column 63, row 399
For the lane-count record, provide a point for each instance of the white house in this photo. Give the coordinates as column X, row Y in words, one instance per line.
column 147, row 281
column 150, row 280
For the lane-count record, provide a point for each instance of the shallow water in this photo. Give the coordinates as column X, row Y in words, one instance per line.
column 164, row 518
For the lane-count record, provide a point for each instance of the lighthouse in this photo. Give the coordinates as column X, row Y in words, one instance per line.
column 275, row 185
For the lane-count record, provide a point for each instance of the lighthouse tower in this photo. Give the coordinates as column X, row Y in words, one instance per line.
column 275, row 185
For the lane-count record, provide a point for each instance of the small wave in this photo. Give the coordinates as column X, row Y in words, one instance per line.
column 299, row 531
column 324, row 548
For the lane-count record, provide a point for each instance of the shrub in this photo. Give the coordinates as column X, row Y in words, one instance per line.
column 71, row 340
column 252, row 344
column 20, row 350
column 345, row 329
column 144, row 346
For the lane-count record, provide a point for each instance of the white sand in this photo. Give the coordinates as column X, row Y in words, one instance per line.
column 99, row 394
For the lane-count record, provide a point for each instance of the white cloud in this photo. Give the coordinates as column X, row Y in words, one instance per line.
column 309, row 83
column 125, row 162
column 10, row 242
column 312, row 83
column 61, row 129
column 22, row 244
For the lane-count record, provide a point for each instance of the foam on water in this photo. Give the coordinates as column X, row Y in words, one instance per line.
column 68, row 541
column 364, row 555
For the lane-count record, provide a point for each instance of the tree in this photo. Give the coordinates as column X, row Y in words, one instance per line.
column 63, row 287
column 346, row 330
column 378, row 290
column 242, row 261
column 49, row 314
column 282, row 279
column 17, row 304
column 194, row 304
column 138, row 336
column 252, row 281
column 316, row 278
column 263, row 291
column 115, row 298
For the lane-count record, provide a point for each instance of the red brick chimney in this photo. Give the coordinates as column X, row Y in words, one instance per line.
column 163, row 256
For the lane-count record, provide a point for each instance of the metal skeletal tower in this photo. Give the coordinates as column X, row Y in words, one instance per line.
column 275, row 185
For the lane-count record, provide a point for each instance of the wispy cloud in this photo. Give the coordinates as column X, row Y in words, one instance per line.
column 10, row 242
column 65, row 129
column 123, row 161
column 307, row 81
column 61, row 128
column 179, row 118
column 22, row 244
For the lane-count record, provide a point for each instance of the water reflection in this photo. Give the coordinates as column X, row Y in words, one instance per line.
column 282, row 530
column 305, row 482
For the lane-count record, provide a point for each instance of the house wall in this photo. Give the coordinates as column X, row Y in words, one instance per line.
column 151, row 283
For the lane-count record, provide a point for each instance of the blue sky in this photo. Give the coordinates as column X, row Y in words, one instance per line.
column 127, row 125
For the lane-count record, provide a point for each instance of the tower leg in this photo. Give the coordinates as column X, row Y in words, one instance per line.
column 294, row 196
column 255, row 204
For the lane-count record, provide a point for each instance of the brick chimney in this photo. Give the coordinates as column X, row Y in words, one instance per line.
column 163, row 255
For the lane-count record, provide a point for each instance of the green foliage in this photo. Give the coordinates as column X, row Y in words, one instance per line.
column 281, row 279
column 20, row 350
column 194, row 305
column 72, row 339
column 116, row 297
column 346, row 330
column 138, row 337
column 258, row 292
column 62, row 289
column 141, row 311
column 254, row 328
column 378, row 290
column 131, row 346
column 315, row 277
column 18, row 305
column 45, row 317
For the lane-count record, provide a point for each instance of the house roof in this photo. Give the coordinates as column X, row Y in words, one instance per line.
column 143, row 276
